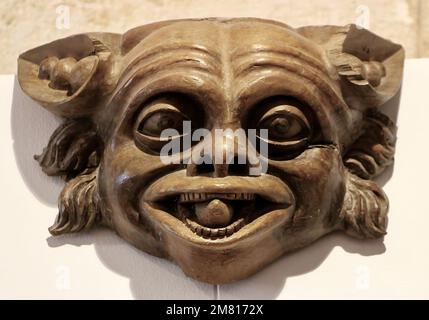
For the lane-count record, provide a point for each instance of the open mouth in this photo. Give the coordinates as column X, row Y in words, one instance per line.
column 217, row 215
column 212, row 208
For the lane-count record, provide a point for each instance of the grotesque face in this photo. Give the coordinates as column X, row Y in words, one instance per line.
column 301, row 137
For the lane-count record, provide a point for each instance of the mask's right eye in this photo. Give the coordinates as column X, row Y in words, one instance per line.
column 156, row 122
column 163, row 119
column 289, row 123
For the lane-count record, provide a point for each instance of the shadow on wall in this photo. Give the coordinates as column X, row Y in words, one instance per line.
column 151, row 277
column 271, row 281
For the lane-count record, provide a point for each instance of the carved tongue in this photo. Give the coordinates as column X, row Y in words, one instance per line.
column 214, row 213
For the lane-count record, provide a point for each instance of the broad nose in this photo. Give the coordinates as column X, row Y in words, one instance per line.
column 221, row 156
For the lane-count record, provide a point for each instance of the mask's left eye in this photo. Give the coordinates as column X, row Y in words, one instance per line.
column 163, row 119
column 285, row 124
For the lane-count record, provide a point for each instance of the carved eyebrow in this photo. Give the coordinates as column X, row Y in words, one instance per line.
column 265, row 60
column 208, row 56
column 331, row 101
column 248, row 59
column 167, row 62
column 179, row 46
column 141, row 75
column 162, row 58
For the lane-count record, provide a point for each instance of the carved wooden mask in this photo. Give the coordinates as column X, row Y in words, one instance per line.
column 316, row 90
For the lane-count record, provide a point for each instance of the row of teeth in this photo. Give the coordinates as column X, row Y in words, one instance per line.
column 214, row 233
column 195, row 196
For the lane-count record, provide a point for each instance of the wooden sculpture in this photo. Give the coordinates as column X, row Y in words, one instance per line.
column 308, row 96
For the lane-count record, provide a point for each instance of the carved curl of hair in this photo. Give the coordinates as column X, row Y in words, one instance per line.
column 79, row 205
column 365, row 206
column 73, row 151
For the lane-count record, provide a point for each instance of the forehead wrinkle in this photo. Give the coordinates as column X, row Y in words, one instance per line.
column 153, row 60
column 318, row 77
column 135, row 57
column 140, row 82
column 166, row 62
column 257, row 67
column 162, row 62
column 258, row 76
column 240, row 57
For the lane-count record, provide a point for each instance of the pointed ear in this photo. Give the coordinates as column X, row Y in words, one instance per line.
column 369, row 67
column 68, row 75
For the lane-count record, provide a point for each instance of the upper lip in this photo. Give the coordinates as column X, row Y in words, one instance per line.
column 178, row 183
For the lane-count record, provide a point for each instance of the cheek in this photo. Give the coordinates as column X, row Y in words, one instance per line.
column 318, row 181
column 124, row 172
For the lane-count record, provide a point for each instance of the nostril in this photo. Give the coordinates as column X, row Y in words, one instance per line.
column 238, row 166
column 205, row 168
